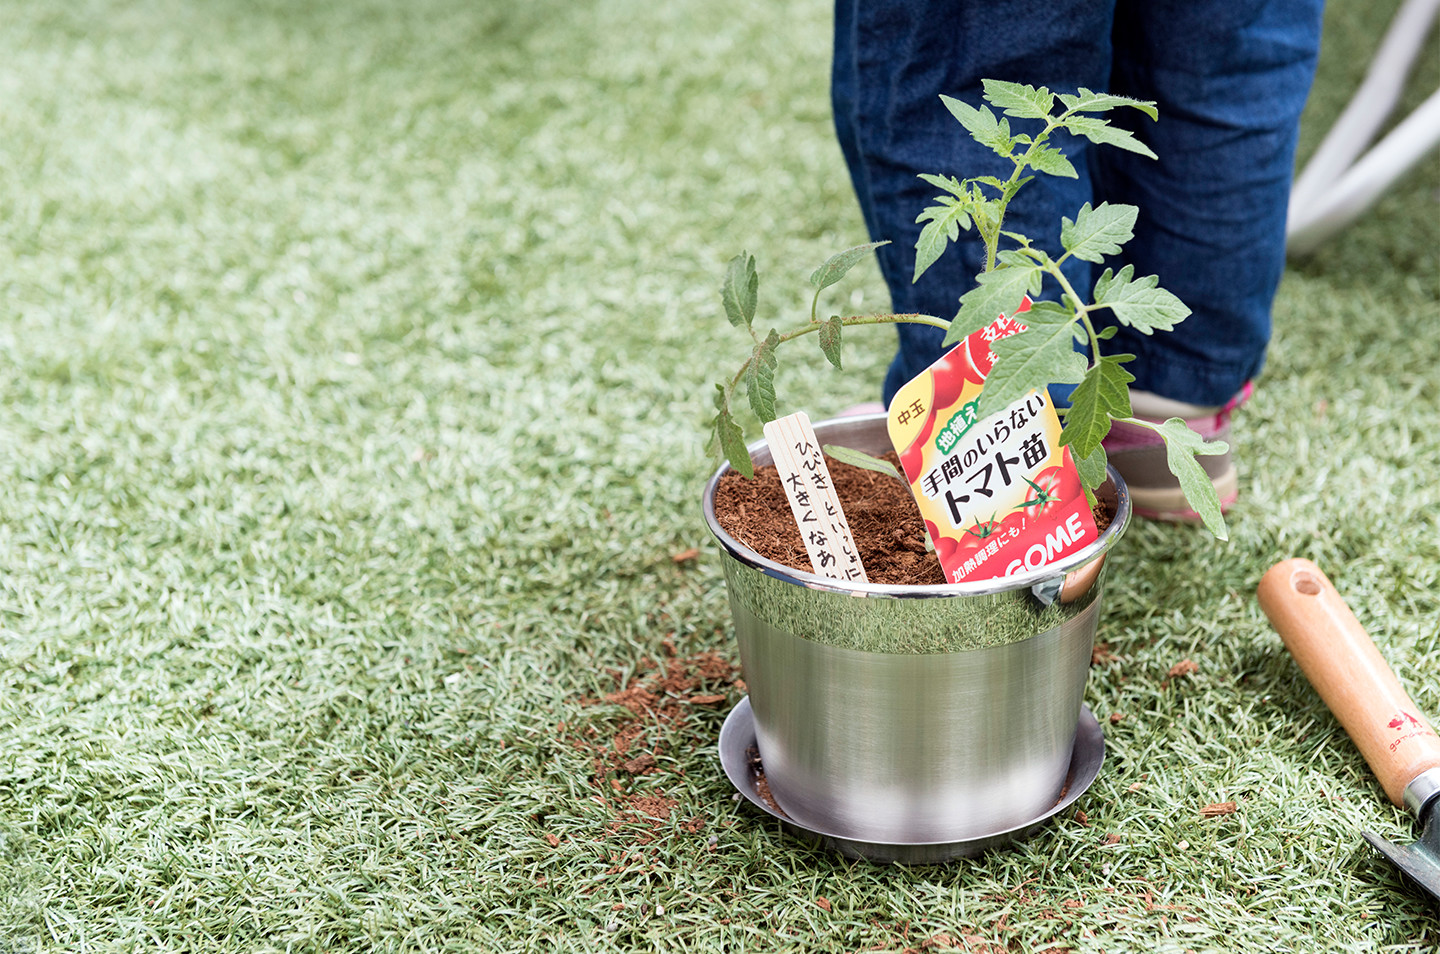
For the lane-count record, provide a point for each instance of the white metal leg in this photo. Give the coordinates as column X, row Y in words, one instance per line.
column 1334, row 189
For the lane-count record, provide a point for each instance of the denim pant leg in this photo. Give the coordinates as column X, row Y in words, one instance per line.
column 1230, row 79
column 893, row 59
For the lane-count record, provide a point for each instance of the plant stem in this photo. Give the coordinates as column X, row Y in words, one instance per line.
column 991, row 238
column 1137, row 422
column 858, row 320
column 906, row 318
column 1082, row 310
column 850, row 322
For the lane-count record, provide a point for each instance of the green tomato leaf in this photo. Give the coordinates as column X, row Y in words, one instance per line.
column 840, row 263
column 1099, row 131
column 760, row 378
column 1025, row 102
column 1109, row 277
column 960, row 190
column 1011, row 188
column 1051, row 160
column 1040, row 356
column 727, row 438
column 855, row 458
column 943, row 227
column 997, row 292
column 1139, row 302
column 1024, row 256
column 1104, row 394
column 1091, row 470
column 830, row 340
column 1088, row 102
column 982, row 125
column 740, row 290
column 1181, row 447
column 1098, row 232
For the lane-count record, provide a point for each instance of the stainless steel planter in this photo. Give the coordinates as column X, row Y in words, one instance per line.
column 897, row 714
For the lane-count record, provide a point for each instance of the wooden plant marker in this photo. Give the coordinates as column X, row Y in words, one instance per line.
column 796, row 452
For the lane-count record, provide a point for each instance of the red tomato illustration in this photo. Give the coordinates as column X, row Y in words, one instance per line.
column 951, row 372
column 1049, row 491
column 945, row 547
column 912, row 457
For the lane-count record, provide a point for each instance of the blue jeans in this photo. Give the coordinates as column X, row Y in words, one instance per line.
column 1229, row 77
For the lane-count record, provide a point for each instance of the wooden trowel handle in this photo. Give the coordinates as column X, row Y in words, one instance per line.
column 1342, row 663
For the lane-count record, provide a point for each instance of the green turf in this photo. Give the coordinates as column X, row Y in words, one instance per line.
column 355, row 363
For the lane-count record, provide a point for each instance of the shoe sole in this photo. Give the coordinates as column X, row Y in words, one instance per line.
column 1169, row 504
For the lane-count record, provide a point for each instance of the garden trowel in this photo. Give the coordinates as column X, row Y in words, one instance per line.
column 1341, row 662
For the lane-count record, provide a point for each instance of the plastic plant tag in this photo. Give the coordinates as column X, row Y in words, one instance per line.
column 796, row 452
column 1000, row 496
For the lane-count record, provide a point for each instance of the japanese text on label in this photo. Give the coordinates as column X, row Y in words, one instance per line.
column 990, row 458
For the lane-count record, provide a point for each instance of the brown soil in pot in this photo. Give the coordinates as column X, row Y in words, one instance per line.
column 887, row 526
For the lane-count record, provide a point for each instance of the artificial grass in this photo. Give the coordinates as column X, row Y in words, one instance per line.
column 357, row 357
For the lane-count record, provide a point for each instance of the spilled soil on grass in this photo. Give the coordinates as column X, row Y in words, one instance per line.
column 632, row 760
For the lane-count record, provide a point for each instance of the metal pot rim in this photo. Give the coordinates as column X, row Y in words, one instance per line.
column 1051, row 575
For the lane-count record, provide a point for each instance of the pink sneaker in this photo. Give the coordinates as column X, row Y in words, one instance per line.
column 1138, row 454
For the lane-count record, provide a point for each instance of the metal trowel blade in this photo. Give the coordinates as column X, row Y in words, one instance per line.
column 1421, row 861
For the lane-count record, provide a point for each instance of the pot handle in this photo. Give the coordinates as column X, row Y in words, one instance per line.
column 1342, row 663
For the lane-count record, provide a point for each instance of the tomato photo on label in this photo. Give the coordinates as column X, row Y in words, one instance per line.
column 1048, row 493
column 945, row 547
column 951, row 373
column 988, row 536
column 982, row 530
column 977, row 535
column 912, row 458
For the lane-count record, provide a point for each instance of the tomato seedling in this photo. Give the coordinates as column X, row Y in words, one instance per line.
column 1045, row 353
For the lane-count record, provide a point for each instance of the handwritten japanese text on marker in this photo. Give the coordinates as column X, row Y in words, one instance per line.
column 828, row 541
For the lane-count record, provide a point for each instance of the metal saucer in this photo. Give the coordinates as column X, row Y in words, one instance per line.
column 737, row 743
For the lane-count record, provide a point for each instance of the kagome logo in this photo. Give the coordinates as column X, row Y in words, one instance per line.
column 1404, row 719
column 1409, row 726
